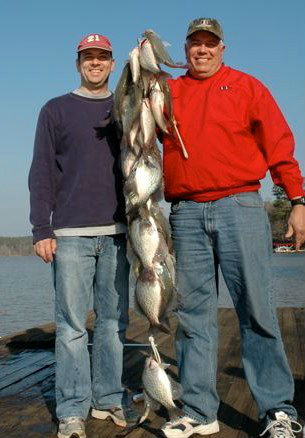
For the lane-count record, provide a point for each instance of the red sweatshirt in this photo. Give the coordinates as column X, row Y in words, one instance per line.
column 233, row 132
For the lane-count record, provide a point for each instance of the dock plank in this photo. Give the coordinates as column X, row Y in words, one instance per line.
column 27, row 405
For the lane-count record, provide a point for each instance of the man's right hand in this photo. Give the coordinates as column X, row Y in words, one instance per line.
column 45, row 249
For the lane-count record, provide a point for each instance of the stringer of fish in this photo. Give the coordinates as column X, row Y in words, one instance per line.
column 143, row 105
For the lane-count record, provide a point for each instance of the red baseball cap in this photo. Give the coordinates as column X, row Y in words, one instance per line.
column 95, row 41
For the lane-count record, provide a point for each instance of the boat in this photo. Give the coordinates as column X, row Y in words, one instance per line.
column 286, row 249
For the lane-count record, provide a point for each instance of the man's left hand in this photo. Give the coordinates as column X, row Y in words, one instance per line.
column 296, row 225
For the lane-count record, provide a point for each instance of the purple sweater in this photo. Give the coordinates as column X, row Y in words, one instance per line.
column 75, row 180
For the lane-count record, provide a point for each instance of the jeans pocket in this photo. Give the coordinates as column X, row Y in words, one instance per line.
column 248, row 199
column 175, row 206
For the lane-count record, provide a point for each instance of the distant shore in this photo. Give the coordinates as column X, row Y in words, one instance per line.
column 16, row 246
column 23, row 246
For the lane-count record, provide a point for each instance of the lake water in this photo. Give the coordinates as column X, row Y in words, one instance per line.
column 27, row 295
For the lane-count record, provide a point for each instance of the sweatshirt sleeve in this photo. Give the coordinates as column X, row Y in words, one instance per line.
column 42, row 178
column 276, row 141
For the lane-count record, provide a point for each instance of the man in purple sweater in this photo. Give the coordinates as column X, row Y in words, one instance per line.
column 77, row 212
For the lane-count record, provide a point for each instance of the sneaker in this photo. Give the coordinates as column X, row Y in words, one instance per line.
column 71, row 427
column 183, row 427
column 121, row 416
column 282, row 426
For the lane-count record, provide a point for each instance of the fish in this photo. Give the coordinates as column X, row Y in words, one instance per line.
column 147, row 79
column 147, row 122
column 153, row 296
column 165, row 269
column 128, row 159
column 143, row 181
column 158, row 388
column 168, row 103
column 121, row 91
column 144, row 238
column 170, row 115
column 130, row 107
column 156, row 99
column 162, row 224
column 160, row 52
column 131, row 136
column 147, row 57
column 135, row 64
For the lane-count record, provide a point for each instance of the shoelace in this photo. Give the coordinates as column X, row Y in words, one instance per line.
column 175, row 419
column 181, row 418
column 70, row 420
column 282, row 427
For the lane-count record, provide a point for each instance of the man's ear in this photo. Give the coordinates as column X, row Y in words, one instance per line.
column 185, row 51
column 112, row 65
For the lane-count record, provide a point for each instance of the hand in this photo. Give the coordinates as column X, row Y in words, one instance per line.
column 45, row 249
column 296, row 225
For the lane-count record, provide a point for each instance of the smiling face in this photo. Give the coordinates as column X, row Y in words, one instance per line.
column 204, row 53
column 95, row 66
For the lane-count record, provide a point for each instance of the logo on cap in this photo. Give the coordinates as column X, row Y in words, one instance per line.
column 208, row 24
column 95, row 40
column 205, row 23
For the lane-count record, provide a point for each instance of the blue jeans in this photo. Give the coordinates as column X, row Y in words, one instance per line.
column 84, row 266
column 233, row 233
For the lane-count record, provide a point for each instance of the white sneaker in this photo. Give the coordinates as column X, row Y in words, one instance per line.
column 71, row 427
column 121, row 416
column 282, row 426
column 184, row 427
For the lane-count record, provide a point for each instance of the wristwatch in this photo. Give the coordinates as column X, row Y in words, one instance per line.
column 298, row 201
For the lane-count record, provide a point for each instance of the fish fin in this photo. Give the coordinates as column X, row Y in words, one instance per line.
column 153, row 404
column 175, row 412
column 164, row 326
column 176, row 65
column 149, row 404
column 145, row 414
column 138, row 397
column 176, row 389
column 165, row 365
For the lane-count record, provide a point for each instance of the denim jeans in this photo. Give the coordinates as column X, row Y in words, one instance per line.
column 84, row 266
column 233, row 233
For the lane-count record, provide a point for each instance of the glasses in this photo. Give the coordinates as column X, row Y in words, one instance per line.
column 210, row 44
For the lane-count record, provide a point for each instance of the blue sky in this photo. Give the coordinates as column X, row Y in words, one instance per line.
column 263, row 38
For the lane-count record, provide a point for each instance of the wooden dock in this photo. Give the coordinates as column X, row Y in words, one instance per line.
column 27, row 405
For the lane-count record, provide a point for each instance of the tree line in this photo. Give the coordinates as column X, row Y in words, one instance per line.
column 278, row 212
column 16, row 246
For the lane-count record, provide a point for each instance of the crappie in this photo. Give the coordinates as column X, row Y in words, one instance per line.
column 156, row 99
column 144, row 180
column 144, row 238
column 128, row 159
column 131, row 137
column 162, row 224
column 156, row 383
column 147, row 57
column 167, row 98
column 135, row 64
column 121, row 91
column 147, row 122
column 147, row 79
column 160, row 51
column 130, row 107
column 153, row 296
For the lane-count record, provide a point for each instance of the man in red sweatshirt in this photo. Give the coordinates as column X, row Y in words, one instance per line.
column 234, row 133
